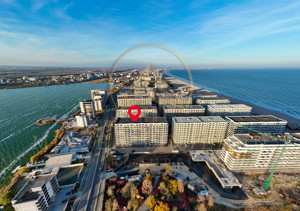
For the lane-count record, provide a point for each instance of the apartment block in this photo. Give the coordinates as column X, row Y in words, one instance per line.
column 99, row 96
column 212, row 100
column 145, row 131
column 146, row 111
column 228, row 110
column 82, row 120
column 87, row 107
column 242, row 153
column 170, row 111
column 175, row 100
column 202, row 129
column 130, row 100
column 255, row 124
column 37, row 194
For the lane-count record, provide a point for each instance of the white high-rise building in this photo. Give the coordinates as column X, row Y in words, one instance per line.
column 255, row 124
column 211, row 100
column 202, row 129
column 146, row 111
column 82, row 120
column 87, row 107
column 170, row 111
column 99, row 96
column 228, row 110
column 37, row 194
column 145, row 131
column 243, row 153
column 130, row 100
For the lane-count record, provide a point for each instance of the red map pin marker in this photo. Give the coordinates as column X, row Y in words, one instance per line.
column 132, row 116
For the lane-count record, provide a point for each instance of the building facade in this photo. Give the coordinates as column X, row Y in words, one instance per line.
column 204, row 129
column 212, row 100
column 37, row 194
column 87, row 107
column 255, row 124
column 228, row 110
column 130, row 100
column 146, row 111
column 170, row 111
column 146, row 131
column 99, row 96
column 175, row 100
column 82, row 120
column 255, row 152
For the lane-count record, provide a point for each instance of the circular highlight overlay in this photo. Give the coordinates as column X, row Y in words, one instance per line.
column 158, row 46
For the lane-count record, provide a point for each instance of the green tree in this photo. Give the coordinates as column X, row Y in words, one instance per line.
column 111, row 161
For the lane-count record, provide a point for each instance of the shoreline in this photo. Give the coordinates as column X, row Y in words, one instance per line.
column 256, row 109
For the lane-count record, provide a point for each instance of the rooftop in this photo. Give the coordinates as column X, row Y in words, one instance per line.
column 31, row 190
column 142, row 120
column 213, row 98
column 184, row 107
column 256, row 118
column 228, row 106
column 261, row 139
column 140, row 106
column 194, row 119
column 59, row 160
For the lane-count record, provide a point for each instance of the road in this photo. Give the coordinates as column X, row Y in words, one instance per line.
column 93, row 181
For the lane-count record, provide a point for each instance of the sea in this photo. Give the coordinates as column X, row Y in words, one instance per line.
column 20, row 138
column 275, row 89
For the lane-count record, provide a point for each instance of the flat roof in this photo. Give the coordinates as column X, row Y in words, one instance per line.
column 142, row 120
column 213, row 98
column 27, row 193
column 59, row 160
column 228, row 106
column 132, row 96
column 140, row 106
column 256, row 118
column 184, row 107
column 198, row 119
column 261, row 139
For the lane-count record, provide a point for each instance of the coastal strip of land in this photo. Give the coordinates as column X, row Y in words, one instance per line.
column 255, row 108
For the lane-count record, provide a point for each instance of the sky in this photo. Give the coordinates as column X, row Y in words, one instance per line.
column 206, row 34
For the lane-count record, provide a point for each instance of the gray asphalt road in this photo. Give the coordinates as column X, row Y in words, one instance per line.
column 93, row 179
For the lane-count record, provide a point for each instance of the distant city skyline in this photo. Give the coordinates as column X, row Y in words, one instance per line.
column 206, row 34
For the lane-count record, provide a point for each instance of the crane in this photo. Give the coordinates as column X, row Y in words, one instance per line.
column 267, row 183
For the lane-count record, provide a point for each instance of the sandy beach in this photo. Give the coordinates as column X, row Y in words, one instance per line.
column 255, row 109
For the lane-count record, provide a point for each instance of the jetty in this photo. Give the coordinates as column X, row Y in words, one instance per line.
column 46, row 121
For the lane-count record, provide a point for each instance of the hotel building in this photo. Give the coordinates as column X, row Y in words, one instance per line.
column 145, row 131
column 228, row 110
column 204, row 129
column 146, row 111
column 82, row 120
column 255, row 124
column 242, row 153
column 175, row 100
column 37, row 194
